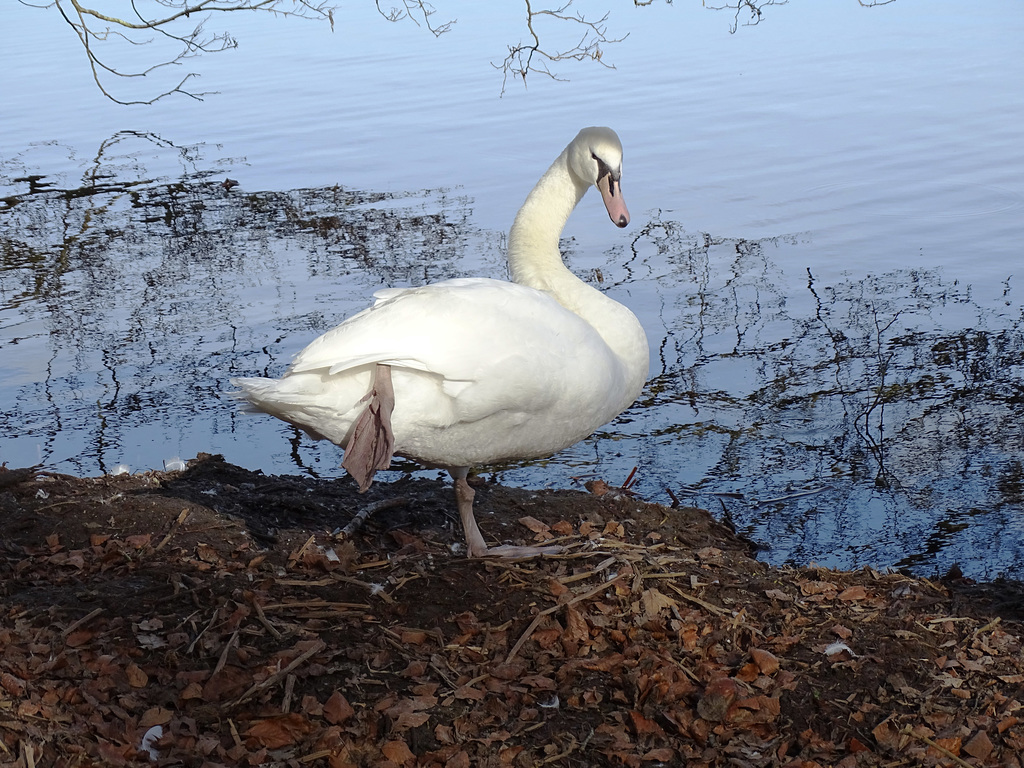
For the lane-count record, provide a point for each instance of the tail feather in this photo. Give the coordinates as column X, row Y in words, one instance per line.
column 372, row 442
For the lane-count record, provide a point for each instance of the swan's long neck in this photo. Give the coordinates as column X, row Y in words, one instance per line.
column 535, row 261
column 533, row 255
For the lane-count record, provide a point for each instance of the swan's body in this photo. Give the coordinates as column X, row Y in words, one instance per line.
column 475, row 371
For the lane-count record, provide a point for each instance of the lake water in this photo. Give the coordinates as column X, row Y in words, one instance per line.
column 825, row 250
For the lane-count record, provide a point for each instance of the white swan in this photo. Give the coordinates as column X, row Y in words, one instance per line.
column 474, row 371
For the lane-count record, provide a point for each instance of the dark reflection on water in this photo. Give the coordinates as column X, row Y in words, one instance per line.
column 870, row 419
column 876, row 419
column 126, row 301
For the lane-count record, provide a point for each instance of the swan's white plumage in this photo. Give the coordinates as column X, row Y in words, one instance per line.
column 483, row 370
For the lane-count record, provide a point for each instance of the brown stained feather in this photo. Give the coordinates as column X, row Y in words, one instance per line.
column 373, row 441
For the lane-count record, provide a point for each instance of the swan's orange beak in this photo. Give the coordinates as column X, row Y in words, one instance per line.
column 611, row 193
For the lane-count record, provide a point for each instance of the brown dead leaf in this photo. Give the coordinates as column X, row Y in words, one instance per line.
column 310, row 705
column 661, row 754
column 414, row 636
column 534, row 524
column 510, row 670
column 79, row 637
column 888, row 736
column 397, row 751
column 767, row 663
column 719, row 695
column 644, row 726
column 654, row 601
column 709, row 553
column 111, row 754
column 468, row 692
column 748, row 673
column 827, row 588
column 843, row 632
column 229, row 682
column 542, row 682
column 337, row 709
column 277, row 732
column 140, row 540
column 641, row 669
column 155, row 716
column 609, row 663
column 613, row 528
column 979, row 746
column 415, row 668
column 207, row 554
column 408, row 720
column 137, row 678
column 547, row 637
column 557, row 588
column 191, row 691
column 856, row 592
column 855, row 745
column 507, row 755
column 576, row 628
column 13, row 685
column 754, row 709
column 1007, row 722
column 408, row 542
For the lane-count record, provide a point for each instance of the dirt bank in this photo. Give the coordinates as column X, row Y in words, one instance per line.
column 227, row 608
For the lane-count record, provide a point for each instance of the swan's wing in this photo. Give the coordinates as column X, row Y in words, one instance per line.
column 431, row 328
column 494, row 344
column 405, row 327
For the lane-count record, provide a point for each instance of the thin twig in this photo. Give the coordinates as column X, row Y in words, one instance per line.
column 547, row 611
column 174, row 529
column 791, row 496
column 192, row 645
column 289, row 688
column 76, row 624
column 262, row 618
column 224, row 654
column 936, row 746
column 697, row 601
column 272, row 680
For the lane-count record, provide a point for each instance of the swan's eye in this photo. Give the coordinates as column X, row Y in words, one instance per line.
column 602, row 167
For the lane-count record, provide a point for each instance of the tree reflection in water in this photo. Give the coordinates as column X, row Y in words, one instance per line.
column 870, row 419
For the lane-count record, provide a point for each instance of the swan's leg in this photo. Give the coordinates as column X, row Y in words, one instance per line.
column 373, row 441
column 475, row 544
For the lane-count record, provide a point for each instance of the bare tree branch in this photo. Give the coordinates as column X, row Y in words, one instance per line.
column 752, row 7
column 524, row 58
column 414, row 10
column 175, row 22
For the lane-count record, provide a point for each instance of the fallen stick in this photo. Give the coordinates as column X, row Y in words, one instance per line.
column 272, row 680
column 547, row 611
column 362, row 515
column 174, row 529
column 76, row 624
column 790, row 496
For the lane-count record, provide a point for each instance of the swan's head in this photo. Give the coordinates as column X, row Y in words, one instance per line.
column 595, row 156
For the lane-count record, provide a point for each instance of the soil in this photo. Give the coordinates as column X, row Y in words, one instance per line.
column 217, row 616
